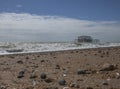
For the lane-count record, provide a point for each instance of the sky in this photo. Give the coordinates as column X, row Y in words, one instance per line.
column 59, row 20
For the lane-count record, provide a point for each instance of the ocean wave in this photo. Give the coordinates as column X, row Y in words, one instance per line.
column 27, row 47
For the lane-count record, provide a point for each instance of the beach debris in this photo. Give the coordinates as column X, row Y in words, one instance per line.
column 21, row 74
column 104, row 83
column 62, row 82
column 108, row 67
column 81, row 71
column 43, row 76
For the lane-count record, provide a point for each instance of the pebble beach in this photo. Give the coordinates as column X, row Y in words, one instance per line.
column 91, row 68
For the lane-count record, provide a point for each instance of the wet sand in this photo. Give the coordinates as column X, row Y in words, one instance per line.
column 95, row 68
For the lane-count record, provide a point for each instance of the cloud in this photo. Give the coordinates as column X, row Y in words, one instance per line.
column 57, row 25
column 19, row 6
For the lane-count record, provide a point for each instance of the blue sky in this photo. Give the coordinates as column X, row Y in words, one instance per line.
column 59, row 20
column 83, row 9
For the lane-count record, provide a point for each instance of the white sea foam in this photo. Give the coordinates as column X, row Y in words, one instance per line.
column 27, row 47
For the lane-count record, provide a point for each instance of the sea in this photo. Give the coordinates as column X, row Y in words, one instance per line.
column 31, row 47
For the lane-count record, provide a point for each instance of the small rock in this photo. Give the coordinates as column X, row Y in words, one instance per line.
column 3, row 87
column 30, row 87
column 89, row 88
column 33, row 75
column 81, row 71
column 33, row 83
column 104, row 83
column 21, row 74
column 118, row 77
column 42, row 60
column 75, row 85
column 43, row 76
column 49, row 80
column 62, row 82
column 108, row 67
column 51, row 88
column 20, row 62
column 57, row 67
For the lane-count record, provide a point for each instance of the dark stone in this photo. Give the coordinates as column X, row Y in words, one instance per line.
column 89, row 88
column 30, row 87
column 33, row 76
column 51, row 88
column 43, row 76
column 21, row 74
column 49, row 80
column 57, row 67
column 20, row 62
column 3, row 87
column 62, row 82
column 118, row 77
column 81, row 71
column 108, row 67
column 42, row 60
column 104, row 83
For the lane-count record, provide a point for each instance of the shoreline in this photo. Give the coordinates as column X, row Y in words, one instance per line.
column 91, row 68
column 82, row 49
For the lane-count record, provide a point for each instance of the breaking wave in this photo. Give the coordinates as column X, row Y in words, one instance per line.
column 28, row 47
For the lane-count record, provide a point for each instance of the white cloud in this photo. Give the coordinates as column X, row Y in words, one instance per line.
column 19, row 6
column 56, row 24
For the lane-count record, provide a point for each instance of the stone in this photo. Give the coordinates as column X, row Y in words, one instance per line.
column 104, row 83
column 62, row 82
column 43, row 76
column 51, row 88
column 57, row 67
column 3, row 87
column 89, row 88
column 21, row 74
column 42, row 60
column 81, row 71
column 30, row 87
column 75, row 85
column 49, row 80
column 20, row 62
column 108, row 67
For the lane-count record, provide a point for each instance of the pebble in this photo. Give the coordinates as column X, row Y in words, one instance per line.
column 75, row 85
column 57, row 67
column 108, row 67
column 3, row 87
column 33, row 75
column 62, row 82
column 21, row 74
column 49, row 80
column 104, row 83
column 89, row 88
column 81, row 71
column 42, row 60
column 43, row 76
column 51, row 88
column 20, row 62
